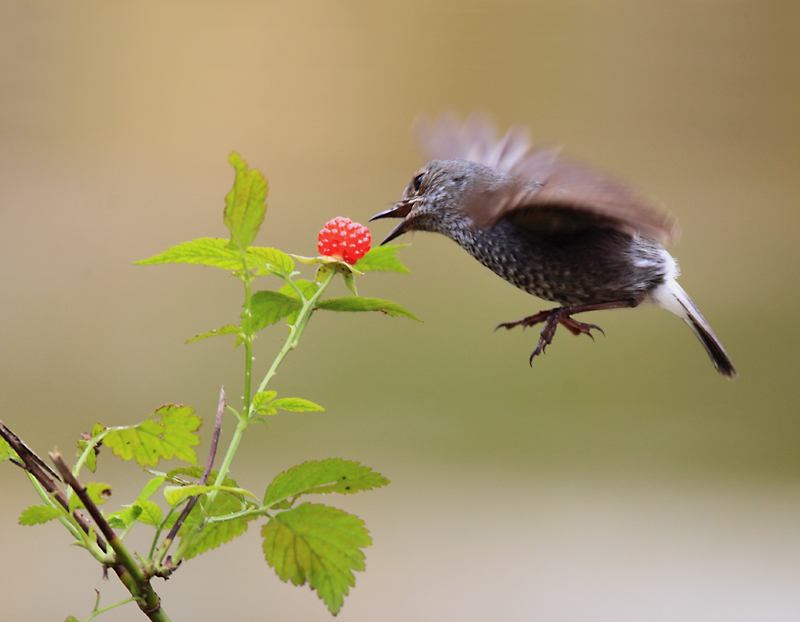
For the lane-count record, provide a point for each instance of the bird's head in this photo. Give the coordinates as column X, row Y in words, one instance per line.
column 434, row 199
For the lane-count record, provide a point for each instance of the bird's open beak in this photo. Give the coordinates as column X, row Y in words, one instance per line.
column 400, row 210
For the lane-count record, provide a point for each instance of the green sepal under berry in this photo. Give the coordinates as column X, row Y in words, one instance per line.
column 359, row 303
column 245, row 205
column 168, row 434
column 329, row 262
column 322, row 477
column 318, row 544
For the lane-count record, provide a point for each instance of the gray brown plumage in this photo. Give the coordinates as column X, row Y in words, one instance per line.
column 554, row 228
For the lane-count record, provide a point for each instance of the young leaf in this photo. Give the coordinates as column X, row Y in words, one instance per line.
column 296, row 404
column 213, row 252
column 259, row 256
column 195, row 472
column 320, row 477
column 318, row 544
column 260, row 399
column 169, row 433
column 359, row 303
column 150, row 513
column 269, row 307
column 229, row 329
column 5, row 451
column 216, row 533
column 151, row 487
column 176, row 494
column 124, row 518
column 383, row 259
column 245, row 204
column 38, row 514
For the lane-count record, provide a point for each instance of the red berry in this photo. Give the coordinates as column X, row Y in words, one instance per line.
column 343, row 239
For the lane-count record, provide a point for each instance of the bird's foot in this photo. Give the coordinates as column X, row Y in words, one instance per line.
column 552, row 318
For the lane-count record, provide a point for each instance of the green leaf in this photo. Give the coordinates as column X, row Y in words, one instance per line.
column 318, row 544
column 259, row 399
column 229, row 329
column 272, row 258
column 269, row 307
column 177, row 494
column 6, row 452
column 166, row 435
column 195, row 472
column 218, row 532
column 150, row 513
column 296, row 404
column 359, row 303
column 213, row 252
column 151, row 487
column 98, row 493
column 321, row 477
column 245, row 204
column 71, row 619
column 383, row 259
column 38, row 514
column 125, row 517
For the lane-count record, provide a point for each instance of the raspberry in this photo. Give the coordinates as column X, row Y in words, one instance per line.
column 343, row 239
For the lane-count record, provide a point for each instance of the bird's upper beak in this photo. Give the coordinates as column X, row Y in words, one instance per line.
column 402, row 209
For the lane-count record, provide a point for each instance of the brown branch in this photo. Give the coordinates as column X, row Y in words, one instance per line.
column 206, row 472
column 34, row 465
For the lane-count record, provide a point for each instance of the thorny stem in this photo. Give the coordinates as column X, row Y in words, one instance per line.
column 295, row 332
column 134, row 578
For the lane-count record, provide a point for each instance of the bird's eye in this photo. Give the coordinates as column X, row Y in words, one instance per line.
column 418, row 181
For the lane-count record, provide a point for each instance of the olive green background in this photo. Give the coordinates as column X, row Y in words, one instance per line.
column 616, row 480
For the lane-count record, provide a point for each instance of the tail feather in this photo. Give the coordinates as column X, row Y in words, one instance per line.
column 671, row 296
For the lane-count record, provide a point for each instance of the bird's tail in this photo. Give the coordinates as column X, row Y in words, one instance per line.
column 671, row 296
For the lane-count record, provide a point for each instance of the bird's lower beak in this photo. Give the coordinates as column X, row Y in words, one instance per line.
column 400, row 210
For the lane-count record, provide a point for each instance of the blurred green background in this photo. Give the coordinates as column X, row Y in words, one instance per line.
column 616, row 480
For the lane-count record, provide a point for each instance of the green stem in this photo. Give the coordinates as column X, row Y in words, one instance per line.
column 77, row 533
column 97, row 612
column 295, row 332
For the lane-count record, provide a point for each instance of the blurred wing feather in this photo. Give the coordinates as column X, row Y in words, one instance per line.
column 546, row 192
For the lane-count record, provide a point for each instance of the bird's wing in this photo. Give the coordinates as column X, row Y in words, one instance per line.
column 546, row 191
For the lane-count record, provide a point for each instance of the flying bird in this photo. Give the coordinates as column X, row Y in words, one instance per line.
column 559, row 230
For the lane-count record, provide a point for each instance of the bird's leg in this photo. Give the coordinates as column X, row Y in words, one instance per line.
column 561, row 315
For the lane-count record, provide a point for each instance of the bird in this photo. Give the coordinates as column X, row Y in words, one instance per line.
column 556, row 228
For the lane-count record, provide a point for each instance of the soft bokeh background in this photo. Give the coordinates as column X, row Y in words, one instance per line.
column 616, row 480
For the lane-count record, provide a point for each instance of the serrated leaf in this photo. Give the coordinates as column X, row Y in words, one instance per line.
column 229, row 329
column 150, row 512
column 115, row 522
column 321, row 477
column 213, row 252
column 151, row 487
column 318, row 544
column 168, row 434
column 261, row 398
column 296, row 404
column 359, row 303
column 245, row 204
column 38, row 514
column 176, row 494
column 6, row 452
column 215, row 533
column 383, row 259
column 272, row 258
column 98, row 493
column 270, row 307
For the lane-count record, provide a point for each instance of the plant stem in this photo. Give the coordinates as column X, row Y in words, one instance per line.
column 97, row 612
